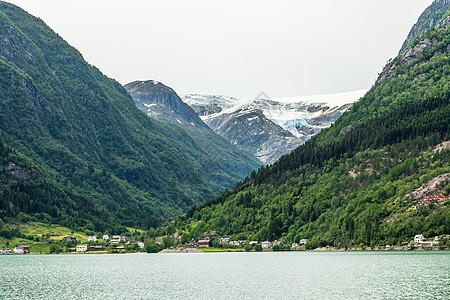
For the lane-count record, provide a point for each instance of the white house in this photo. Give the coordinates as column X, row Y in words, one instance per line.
column 5, row 251
column 106, row 237
column 92, row 238
column 141, row 245
column 294, row 245
column 21, row 249
column 18, row 250
column 304, row 241
column 116, row 239
column 266, row 245
column 225, row 239
column 419, row 238
column 70, row 238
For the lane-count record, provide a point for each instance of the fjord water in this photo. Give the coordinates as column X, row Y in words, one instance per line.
column 268, row 275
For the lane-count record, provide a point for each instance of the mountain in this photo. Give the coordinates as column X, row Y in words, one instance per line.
column 162, row 103
column 79, row 151
column 269, row 128
column 224, row 164
column 249, row 129
column 427, row 21
column 358, row 182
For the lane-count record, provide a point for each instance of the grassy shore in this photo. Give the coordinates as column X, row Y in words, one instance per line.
column 220, row 250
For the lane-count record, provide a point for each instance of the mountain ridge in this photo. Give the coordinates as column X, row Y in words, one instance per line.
column 269, row 128
column 86, row 135
column 349, row 184
column 428, row 20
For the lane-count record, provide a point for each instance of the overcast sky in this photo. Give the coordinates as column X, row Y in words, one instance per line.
column 239, row 48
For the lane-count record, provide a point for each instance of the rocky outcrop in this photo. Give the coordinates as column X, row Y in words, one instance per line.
column 433, row 186
column 162, row 103
column 313, row 109
column 427, row 21
column 305, row 130
column 345, row 129
column 251, row 130
column 206, row 110
column 413, row 53
column 328, row 116
column 17, row 172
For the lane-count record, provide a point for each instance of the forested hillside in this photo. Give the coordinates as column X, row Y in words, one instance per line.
column 97, row 160
column 354, row 182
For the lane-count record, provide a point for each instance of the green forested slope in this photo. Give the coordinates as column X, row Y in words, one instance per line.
column 350, row 183
column 104, row 161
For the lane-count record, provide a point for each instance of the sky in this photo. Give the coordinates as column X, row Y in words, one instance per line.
column 285, row 48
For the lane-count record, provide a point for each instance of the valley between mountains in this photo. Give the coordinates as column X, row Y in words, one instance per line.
column 84, row 156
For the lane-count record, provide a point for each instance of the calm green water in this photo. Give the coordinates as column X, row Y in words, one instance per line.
column 270, row 275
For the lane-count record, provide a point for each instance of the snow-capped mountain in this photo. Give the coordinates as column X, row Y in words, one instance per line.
column 266, row 127
column 226, row 163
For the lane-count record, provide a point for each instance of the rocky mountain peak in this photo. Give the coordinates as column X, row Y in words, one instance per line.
column 162, row 102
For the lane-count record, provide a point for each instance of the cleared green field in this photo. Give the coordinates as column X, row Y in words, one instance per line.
column 55, row 232
column 220, row 250
column 40, row 248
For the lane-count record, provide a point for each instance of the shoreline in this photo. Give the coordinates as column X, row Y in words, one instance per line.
column 192, row 251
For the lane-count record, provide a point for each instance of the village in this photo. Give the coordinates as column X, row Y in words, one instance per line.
column 70, row 243
column 212, row 241
column 123, row 244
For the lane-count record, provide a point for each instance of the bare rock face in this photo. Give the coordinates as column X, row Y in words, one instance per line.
column 17, row 172
column 434, row 186
column 161, row 102
column 251, row 130
column 313, row 109
column 305, row 130
column 428, row 20
column 442, row 146
column 206, row 110
column 328, row 116
column 346, row 129
column 405, row 58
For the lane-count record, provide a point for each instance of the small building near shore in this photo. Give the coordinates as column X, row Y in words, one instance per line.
column 116, row 239
column 204, row 243
column 419, row 238
column 95, row 248
column 4, row 250
column 225, row 239
column 304, row 241
column 266, row 245
column 81, row 248
column 21, row 249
